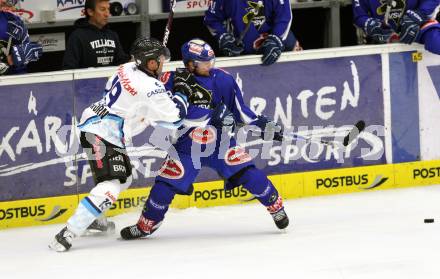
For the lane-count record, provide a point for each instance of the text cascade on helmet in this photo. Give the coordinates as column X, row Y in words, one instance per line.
column 145, row 49
column 198, row 51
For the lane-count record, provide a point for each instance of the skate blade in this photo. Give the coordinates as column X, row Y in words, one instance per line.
column 57, row 247
column 134, row 239
column 111, row 229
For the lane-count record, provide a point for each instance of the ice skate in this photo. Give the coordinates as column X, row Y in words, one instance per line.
column 278, row 214
column 142, row 229
column 62, row 241
column 101, row 226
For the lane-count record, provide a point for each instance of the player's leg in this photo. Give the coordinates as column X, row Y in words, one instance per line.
column 112, row 173
column 237, row 166
column 258, row 184
column 176, row 177
column 153, row 213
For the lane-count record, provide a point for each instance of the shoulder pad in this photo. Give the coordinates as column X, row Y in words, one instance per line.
column 167, row 76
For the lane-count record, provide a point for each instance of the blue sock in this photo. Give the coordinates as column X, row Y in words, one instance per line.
column 156, row 206
column 256, row 182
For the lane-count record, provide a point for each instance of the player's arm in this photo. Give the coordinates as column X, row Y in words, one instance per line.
column 233, row 99
column 283, row 19
column 412, row 21
column 215, row 18
column 428, row 8
column 167, row 112
column 180, row 83
column 360, row 13
column 23, row 50
column 243, row 114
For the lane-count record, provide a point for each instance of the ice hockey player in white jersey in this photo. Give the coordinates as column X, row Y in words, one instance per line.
column 134, row 99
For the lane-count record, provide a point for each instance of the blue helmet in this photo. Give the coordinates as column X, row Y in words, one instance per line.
column 197, row 50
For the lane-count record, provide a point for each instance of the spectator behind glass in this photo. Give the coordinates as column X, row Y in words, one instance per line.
column 16, row 50
column 92, row 43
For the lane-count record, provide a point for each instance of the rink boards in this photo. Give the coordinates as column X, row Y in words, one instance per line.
column 394, row 89
column 59, row 209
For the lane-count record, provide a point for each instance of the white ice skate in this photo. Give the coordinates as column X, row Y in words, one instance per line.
column 62, row 241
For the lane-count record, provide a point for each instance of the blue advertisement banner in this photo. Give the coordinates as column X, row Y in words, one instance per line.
column 315, row 94
column 36, row 160
column 405, row 96
column 32, row 155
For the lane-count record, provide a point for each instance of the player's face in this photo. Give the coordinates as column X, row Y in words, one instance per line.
column 163, row 59
column 4, row 4
column 202, row 68
column 99, row 16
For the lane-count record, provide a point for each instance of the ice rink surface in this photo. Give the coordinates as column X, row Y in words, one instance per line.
column 375, row 235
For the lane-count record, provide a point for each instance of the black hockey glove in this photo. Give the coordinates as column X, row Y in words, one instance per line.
column 271, row 49
column 410, row 26
column 269, row 128
column 222, row 117
column 228, row 45
column 184, row 82
column 376, row 32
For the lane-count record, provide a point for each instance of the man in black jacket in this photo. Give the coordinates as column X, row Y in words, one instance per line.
column 92, row 43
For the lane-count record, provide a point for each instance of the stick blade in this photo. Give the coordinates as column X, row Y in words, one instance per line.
column 352, row 135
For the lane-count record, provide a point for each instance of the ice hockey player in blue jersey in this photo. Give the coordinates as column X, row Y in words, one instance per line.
column 214, row 92
column 252, row 27
column 407, row 21
column 133, row 100
column 16, row 50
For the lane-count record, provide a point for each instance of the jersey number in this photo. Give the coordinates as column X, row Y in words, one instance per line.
column 112, row 94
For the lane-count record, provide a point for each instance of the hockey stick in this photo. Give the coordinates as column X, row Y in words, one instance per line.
column 389, row 4
column 348, row 138
column 351, row 135
column 166, row 34
column 252, row 13
column 394, row 37
column 8, row 47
